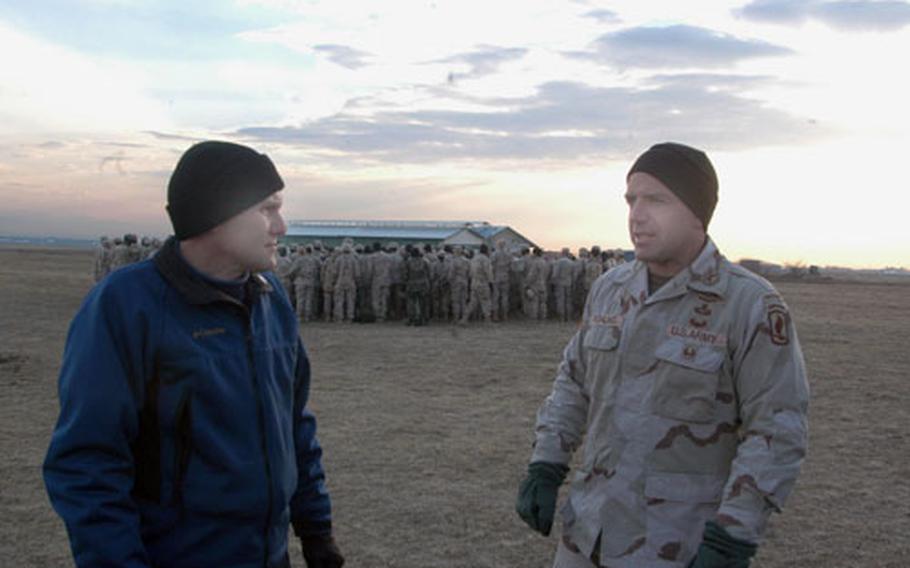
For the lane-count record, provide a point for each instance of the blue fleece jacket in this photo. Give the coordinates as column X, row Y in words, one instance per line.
column 183, row 437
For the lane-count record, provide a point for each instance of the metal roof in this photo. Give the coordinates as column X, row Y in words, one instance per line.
column 487, row 231
column 335, row 231
column 411, row 230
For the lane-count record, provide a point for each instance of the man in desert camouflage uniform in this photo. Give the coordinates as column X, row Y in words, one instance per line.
column 593, row 268
column 502, row 265
column 518, row 276
column 306, row 269
column 563, row 276
column 481, row 271
column 685, row 384
column 416, row 276
column 120, row 254
column 102, row 258
column 442, row 291
column 327, row 277
column 458, row 279
column 382, row 266
column 347, row 271
column 536, row 282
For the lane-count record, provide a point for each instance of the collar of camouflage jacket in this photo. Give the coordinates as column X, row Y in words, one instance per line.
column 705, row 274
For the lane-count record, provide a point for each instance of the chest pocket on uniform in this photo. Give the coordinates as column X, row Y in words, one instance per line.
column 601, row 359
column 602, row 337
column 685, row 384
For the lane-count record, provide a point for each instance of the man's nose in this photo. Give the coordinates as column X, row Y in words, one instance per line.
column 280, row 227
column 637, row 212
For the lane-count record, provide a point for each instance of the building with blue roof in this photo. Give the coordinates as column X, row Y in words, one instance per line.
column 468, row 234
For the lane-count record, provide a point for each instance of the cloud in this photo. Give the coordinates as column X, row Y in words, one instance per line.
column 485, row 60
column 676, row 46
column 603, row 16
column 848, row 15
column 52, row 145
column 562, row 121
column 343, row 55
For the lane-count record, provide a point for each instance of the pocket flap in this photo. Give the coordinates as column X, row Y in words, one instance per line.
column 685, row 487
column 694, row 356
column 603, row 337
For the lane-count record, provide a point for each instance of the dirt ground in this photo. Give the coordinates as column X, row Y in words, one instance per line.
column 427, row 430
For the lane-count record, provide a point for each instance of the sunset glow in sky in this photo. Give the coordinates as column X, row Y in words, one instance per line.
column 525, row 113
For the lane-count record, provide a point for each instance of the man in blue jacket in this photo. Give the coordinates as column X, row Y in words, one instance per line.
column 184, row 439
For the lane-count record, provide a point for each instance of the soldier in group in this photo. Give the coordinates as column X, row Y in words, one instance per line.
column 502, row 264
column 607, row 260
column 102, row 258
column 416, row 276
column 306, row 269
column 481, row 281
column 578, row 282
column 345, row 286
column 154, row 247
column 536, row 281
column 364, row 305
column 284, row 274
column 134, row 251
column 442, row 291
column 519, row 273
column 592, row 270
column 396, row 286
column 459, row 279
column 620, row 256
column 120, row 254
column 430, row 256
column 382, row 266
column 686, row 384
column 562, row 277
column 327, row 276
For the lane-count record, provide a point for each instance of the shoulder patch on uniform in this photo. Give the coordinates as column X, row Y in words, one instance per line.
column 779, row 324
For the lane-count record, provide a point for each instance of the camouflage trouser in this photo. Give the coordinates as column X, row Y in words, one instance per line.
column 459, row 299
column 417, row 307
column 328, row 305
column 442, row 300
column 344, row 303
column 501, row 300
column 480, row 295
column 305, row 291
column 380, row 301
column 563, row 302
column 537, row 303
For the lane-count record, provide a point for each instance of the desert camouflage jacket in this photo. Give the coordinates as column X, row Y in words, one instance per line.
column 691, row 404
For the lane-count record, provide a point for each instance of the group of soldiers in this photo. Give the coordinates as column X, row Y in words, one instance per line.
column 419, row 283
column 111, row 254
column 415, row 283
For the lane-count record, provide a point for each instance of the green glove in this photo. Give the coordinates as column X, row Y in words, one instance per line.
column 536, row 502
column 321, row 552
column 720, row 550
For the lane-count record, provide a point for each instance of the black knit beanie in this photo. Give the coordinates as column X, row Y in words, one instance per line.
column 686, row 171
column 214, row 181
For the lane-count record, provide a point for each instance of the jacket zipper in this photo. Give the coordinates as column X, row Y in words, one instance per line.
column 260, row 410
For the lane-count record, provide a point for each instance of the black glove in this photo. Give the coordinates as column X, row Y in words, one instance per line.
column 321, row 552
column 720, row 550
column 536, row 503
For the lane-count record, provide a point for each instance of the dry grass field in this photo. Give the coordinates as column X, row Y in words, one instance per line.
column 427, row 430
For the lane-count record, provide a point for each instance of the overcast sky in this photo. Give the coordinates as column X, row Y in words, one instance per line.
column 525, row 113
